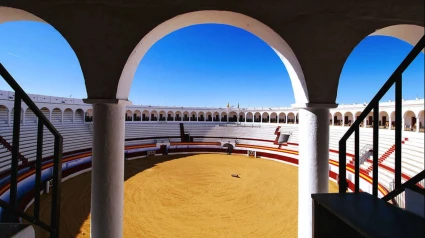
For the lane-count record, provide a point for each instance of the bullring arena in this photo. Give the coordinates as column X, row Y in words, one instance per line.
column 178, row 174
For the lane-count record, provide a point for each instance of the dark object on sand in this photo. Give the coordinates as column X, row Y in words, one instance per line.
column 235, row 175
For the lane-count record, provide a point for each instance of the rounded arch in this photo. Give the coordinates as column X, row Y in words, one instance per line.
column 154, row 115
column 145, row 115
column 216, row 116
column 265, row 117
column 170, row 116
column 46, row 112
column 208, row 116
column 405, row 32
column 4, row 112
column 348, row 118
column 89, row 115
column 12, row 113
column 337, row 119
column 233, row 116
column 247, row 23
column 257, row 117
column 241, row 117
column 249, row 117
column 178, row 116
column 409, row 118
column 383, row 119
column 282, row 117
column 56, row 115
column 291, row 118
column 162, row 116
column 137, row 115
column 68, row 116
column 273, row 117
column 185, row 116
column 193, row 116
column 128, row 115
column 223, row 116
column 79, row 116
column 30, row 117
column 201, row 116
column 421, row 120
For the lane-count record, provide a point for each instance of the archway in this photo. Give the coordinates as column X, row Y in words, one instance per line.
column 170, row 116
column 128, row 115
column 265, row 117
column 209, row 116
column 186, row 116
column 30, row 118
column 233, row 117
column 409, row 119
column 89, row 115
column 79, row 116
column 178, row 116
column 257, row 117
column 291, row 118
column 193, row 116
column 68, row 116
column 421, row 121
column 216, row 116
column 348, row 118
column 137, row 115
column 154, row 115
column 145, row 115
column 241, row 117
column 337, row 119
column 4, row 112
column 162, row 116
column 247, row 23
column 249, row 117
column 223, row 117
column 273, row 117
column 201, row 116
column 383, row 119
column 282, row 117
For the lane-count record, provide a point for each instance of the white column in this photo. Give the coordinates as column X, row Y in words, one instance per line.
column 62, row 118
column 107, row 199
column 389, row 123
column 313, row 169
column 8, row 117
column 417, row 124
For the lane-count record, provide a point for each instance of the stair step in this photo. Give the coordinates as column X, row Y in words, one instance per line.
column 370, row 216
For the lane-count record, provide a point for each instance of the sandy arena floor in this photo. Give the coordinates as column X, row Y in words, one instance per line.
column 193, row 196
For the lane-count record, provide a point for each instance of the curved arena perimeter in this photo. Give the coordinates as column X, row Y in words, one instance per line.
column 158, row 130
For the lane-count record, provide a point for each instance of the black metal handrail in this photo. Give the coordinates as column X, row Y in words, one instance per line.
column 12, row 206
column 411, row 183
column 395, row 78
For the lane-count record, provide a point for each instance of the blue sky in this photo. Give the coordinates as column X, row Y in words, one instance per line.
column 202, row 65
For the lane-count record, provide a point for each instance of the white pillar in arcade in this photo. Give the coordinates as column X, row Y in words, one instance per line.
column 313, row 168
column 107, row 198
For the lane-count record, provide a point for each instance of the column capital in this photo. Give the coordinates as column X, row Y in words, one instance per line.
column 314, row 105
column 106, row 101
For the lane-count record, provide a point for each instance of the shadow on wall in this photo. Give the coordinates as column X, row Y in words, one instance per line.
column 78, row 203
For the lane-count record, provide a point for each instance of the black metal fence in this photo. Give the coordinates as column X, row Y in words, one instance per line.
column 395, row 78
column 13, row 211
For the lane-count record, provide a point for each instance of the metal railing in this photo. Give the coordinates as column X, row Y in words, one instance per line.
column 12, row 209
column 395, row 78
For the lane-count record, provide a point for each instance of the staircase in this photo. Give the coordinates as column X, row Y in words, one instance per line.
column 382, row 158
column 360, row 214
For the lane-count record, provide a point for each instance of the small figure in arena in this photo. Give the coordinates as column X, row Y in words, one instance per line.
column 235, row 175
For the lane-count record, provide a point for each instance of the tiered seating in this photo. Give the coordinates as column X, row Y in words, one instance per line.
column 145, row 130
column 75, row 137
